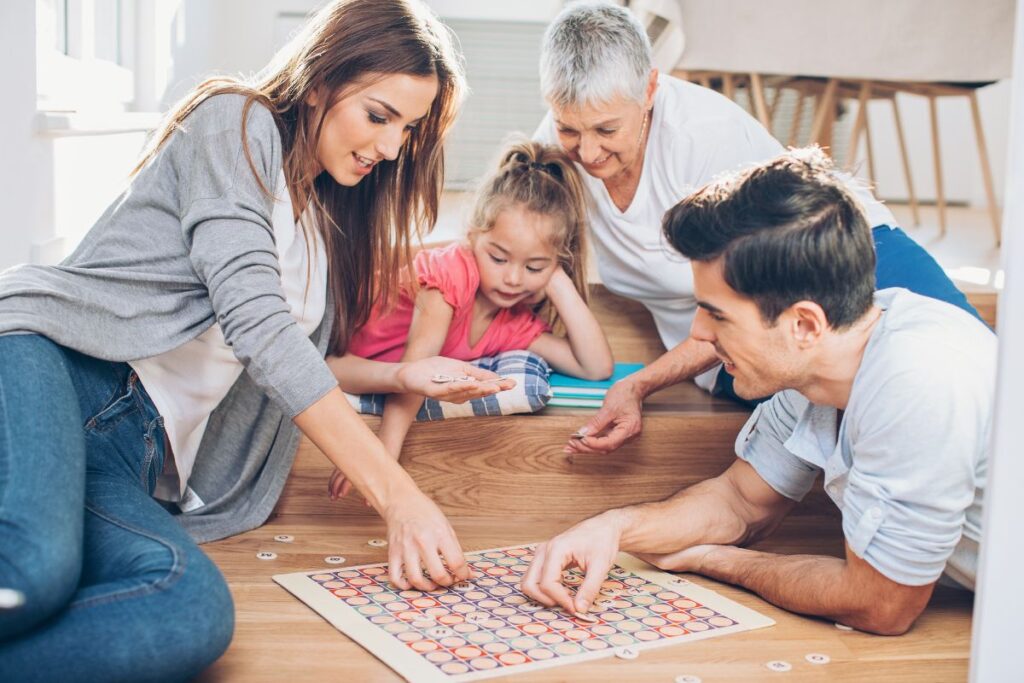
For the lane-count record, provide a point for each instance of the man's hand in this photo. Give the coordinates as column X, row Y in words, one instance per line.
column 618, row 421
column 417, row 377
column 591, row 545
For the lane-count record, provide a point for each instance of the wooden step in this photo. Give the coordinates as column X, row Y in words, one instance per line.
column 508, row 465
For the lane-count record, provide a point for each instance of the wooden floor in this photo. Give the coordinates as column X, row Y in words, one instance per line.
column 505, row 481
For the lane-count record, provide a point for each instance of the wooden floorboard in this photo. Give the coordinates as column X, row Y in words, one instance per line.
column 278, row 638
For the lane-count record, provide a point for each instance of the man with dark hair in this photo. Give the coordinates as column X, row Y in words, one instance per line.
column 888, row 394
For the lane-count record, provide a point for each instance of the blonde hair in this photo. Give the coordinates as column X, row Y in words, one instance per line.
column 367, row 230
column 541, row 179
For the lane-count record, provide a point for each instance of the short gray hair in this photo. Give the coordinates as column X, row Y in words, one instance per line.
column 593, row 52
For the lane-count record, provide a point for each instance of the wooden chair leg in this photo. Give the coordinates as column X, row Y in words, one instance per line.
column 906, row 163
column 869, row 150
column 760, row 104
column 774, row 106
column 798, row 118
column 823, row 115
column 858, row 126
column 940, row 195
column 986, row 169
column 728, row 86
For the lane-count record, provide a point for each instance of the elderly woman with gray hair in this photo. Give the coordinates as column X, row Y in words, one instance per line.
column 645, row 141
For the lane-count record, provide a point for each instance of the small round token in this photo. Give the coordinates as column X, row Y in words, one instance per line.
column 334, row 559
column 266, row 555
column 376, row 543
column 284, row 538
column 583, row 616
column 843, row 627
column 11, row 599
column 441, row 379
column 778, row 665
column 817, row 658
column 686, row 678
column 626, row 653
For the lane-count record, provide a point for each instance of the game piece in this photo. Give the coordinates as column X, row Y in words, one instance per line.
column 442, row 379
column 843, row 627
column 583, row 616
column 377, row 543
column 334, row 559
column 815, row 658
column 685, row 678
column 779, row 666
column 284, row 538
column 266, row 555
column 11, row 599
column 486, row 627
column 626, row 653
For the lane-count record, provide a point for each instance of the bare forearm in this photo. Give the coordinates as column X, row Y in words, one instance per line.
column 683, row 362
column 399, row 414
column 808, row 584
column 696, row 515
column 587, row 341
column 351, row 446
column 363, row 376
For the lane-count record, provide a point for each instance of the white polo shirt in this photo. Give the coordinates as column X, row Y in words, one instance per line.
column 696, row 134
column 908, row 465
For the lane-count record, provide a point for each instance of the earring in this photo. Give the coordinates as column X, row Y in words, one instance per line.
column 643, row 128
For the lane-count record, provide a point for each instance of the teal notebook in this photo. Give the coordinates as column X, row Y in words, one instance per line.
column 574, row 387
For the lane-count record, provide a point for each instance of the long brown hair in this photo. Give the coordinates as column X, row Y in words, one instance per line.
column 367, row 230
column 541, row 179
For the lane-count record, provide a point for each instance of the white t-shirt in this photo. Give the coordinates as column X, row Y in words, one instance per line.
column 187, row 383
column 696, row 134
column 909, row 465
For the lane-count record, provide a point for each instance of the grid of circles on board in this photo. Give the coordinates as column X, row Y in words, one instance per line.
column 488, row 623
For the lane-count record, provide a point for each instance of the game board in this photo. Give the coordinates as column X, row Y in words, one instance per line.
column 487, row 627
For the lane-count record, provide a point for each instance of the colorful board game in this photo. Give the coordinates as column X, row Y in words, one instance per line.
column 486, row 627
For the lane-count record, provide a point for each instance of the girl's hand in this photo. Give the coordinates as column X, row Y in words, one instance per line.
column 339, row 485
column 419, row 537
column 417, row 377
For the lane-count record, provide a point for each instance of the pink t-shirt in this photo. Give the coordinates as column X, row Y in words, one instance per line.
column 452, row 270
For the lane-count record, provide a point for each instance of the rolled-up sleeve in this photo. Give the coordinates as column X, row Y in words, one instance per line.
column 228, row 231
column 762, row 443
column 915, row 445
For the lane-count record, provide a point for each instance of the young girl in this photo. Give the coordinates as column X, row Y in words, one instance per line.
column 522, row 271
column 172, row 351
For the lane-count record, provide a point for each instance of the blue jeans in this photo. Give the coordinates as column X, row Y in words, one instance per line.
column 113, row 587
column 900, row 262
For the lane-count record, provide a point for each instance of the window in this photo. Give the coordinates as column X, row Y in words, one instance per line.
column 85, row 55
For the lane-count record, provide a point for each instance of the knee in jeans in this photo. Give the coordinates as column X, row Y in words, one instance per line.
column 207, row 613
column 49, row 578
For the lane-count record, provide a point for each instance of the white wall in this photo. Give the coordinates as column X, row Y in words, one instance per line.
column 25, row 210
column 995, row 645
column 55, row 187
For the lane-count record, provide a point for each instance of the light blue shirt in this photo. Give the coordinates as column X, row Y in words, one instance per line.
column 907, row 464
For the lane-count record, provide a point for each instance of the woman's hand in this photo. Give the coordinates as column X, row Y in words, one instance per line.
column 418, row 377
column 419, row 538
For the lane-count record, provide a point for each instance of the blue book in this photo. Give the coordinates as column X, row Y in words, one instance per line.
column 574, row 387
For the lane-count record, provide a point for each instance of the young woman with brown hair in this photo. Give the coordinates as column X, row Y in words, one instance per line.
column 178, row 352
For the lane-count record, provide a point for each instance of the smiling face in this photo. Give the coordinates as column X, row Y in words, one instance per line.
column 516, row 257
column 371, row 123
column 606, row 138
column 762, row 359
